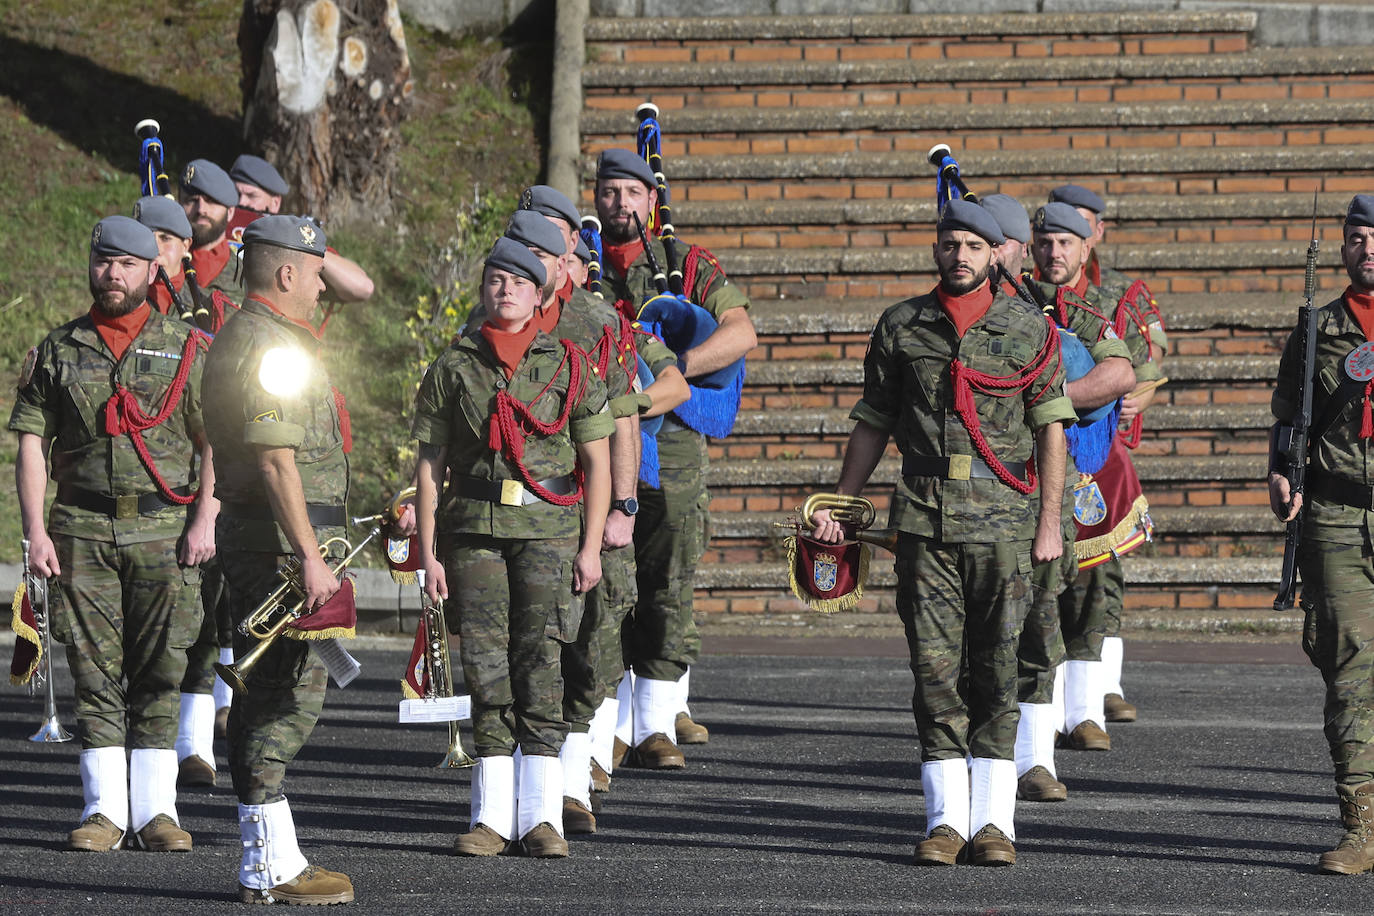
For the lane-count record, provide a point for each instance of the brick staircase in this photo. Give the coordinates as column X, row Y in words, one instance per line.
column 796, row 148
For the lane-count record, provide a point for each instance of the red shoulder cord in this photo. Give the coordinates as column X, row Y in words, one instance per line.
column 218, row 301
column 512, row 422
column 123, row 415
column 1000, row 386
column 1061, row 302
column 692, row 262
column 1128, row 312
column 621, row 343
column 345, row 421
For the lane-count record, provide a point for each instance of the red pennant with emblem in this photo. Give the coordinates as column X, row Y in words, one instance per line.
column 827, row 577
column 28, row 646
column 337, row 618
column 403, row 559
column 415, row 684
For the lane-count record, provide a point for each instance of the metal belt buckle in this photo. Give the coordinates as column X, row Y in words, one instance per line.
column 960, row 467
column 126, row 506
column 512, row 493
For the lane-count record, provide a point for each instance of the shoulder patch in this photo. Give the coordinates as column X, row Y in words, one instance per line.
column 268, row 416
column 30, row 364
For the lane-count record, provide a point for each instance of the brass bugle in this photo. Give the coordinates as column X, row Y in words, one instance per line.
column 440, row 668
column 854, row 511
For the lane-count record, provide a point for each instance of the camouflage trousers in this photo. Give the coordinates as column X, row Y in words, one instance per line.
column 215, row 631
column 660, row 636
column 126, row 615
column 963, row 606
column 512, row 606
column 1338, row 636
column 594, row 663
column 271, row 722
column 1088, row 607
column 1041, row 649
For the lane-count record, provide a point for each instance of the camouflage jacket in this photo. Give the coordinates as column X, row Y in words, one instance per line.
column 1340, row 451
column 909, row 392
column 266, row 387
column 62, row 397
column 1113, row 285
column 713, row 291
column 454, row 409
column 228, row 279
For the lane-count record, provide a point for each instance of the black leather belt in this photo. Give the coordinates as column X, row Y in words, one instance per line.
column 131, row 505
column 1336, row 489
column 319, row 516
column 507, row 492
column 954, row 467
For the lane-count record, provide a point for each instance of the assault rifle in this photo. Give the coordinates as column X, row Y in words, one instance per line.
column 1291, row 441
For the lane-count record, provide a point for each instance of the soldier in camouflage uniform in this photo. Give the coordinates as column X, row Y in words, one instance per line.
column 962, row 597
column 1060, row 250
column 506, row 415
column 1334, row 556
column 208, row 196
column 547, row 225
column 1147, row 355
column 119, row 539
column 281, row 440
column 660, row 636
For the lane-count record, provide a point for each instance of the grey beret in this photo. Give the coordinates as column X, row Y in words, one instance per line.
column 298, row 233
column 163, row 213
column 530, row 229
column 622, row 163
column 1010, row 215
column 203, row 177
column 551, row 202
column 966, row 215
column 513, row 257
column 1078, row 196
column 1061, row 217
column 1361, row 211
column 117, row 235
column 258, row 172
column 583, row 252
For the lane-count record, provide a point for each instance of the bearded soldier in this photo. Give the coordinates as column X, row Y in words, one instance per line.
column 967, row 516
column 209, row 197
column 113, row 400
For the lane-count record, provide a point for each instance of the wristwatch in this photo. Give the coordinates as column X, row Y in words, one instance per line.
column 629, row 506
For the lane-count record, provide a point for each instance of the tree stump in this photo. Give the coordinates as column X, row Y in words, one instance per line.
column 325, row 86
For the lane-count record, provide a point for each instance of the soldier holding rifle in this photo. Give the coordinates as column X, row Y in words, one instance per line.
column 968, row 381
column 113, row 400
column 282, row 437
column 1333, row 511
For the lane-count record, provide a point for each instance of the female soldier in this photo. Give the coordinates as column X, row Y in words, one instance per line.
column 519, row 423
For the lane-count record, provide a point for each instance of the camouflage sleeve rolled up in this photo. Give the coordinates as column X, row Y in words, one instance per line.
column 1108, row 347
column 880, row 405
column 712, row 289
column 35, row 408
column 657, row 357
column 591, row 416
column 436, row 391
column 1044, row 398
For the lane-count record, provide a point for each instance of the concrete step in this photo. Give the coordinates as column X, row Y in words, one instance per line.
column 1139, row 570
column 740, row 31
column 1156, row 473
column 804, row 81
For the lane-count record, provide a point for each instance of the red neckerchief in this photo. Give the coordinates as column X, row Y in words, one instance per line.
column 546, row 316
column 208, row 262
column 1093, row 271
column 158, row 295
column 622, row 256
column 1361, row 305
column 119, row 333
column 1081, row 287
column 566, row 292
column 965, row 310
column 509, row 346
column 1009, row 290
column 296, row 321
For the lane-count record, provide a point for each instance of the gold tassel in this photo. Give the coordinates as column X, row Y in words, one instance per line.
column 826, row 605
column 401, row 577
column 327, row 633
column 23, row 631
column 408, row 692
column 1098, row 549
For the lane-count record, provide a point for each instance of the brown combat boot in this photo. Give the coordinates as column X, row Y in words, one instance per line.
column 1037, row 785
column 689, row 732
column 1354, row 854
column 619, row 751
column 162, row 834
column 194, row 771
column 942, row 847
column 97, row 833
column 577, row 817
column 657, row 752
column 601, row 780
column 1117, row 709
column 314, row 886
column 543, row 842
column 480, row 841
column 1088, row 736
column 991, row 847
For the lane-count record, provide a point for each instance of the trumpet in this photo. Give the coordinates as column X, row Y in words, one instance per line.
column 36, row 587
column 440, row 669
column 854, row 511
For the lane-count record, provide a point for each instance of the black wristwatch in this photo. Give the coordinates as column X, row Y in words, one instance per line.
column 629, row 506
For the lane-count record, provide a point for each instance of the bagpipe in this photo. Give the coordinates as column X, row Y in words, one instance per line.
column 1110, row 511
column 154, row 182
column 31, row 622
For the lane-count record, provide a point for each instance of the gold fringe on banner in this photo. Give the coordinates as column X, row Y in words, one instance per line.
column 26, row 633
column 1119, row 540
column 844, row 602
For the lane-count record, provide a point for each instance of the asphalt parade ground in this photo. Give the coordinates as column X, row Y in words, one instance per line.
column 806, row 800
